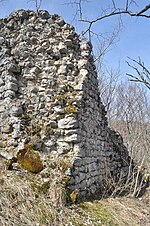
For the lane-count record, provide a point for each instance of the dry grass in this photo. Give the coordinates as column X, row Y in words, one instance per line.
column 129, row 211
column 29, row 199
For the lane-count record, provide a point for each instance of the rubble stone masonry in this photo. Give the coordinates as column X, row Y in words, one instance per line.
column 49, row 95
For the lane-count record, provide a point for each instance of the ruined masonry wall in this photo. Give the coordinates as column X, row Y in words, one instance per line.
column 49, row 96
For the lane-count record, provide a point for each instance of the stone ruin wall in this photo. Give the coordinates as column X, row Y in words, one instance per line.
column 49, row 96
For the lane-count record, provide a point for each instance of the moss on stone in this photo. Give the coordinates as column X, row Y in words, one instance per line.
column 47, row 130
column 64, row 164
column 74, row 196
column 65, row 179
column 3, row 144
column 24, row 117
column 29, row 159
column 71, row 109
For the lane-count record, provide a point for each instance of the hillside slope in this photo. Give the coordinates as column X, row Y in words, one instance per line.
column 27, row 201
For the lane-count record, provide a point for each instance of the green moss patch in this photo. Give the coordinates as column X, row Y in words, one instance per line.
column 98, row 213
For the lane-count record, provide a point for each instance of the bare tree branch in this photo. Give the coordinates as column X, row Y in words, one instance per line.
column 142, row 76
column 113, row 12
column 127, row 4
column 38, row 4
column 143, row 10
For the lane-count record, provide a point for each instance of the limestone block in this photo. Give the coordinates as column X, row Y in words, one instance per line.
column 79, row 87
column 45, row 44
column 9, row 94
column 49, row 143
column 88, row 182
column 82, row 63
column 63, row 147
column 71, row 132
column 76, row 149
column 30, row 77
column 85, row 46
column 1, row 40
column 62, row 48
column 77, row 162
column 68, row 123
column 52, row 124
column 68, row 42
column 1, row 82
column 60, row 21
column 70, row 65
column 13, row 68
column 16, row 111
column 74, row 138
column 2, row 89
column 58, row 109
column 50, row 21
column 49, row 50
column 12, row 142
column 35, row 70
column 2, row 109
column 6, row 129
column 85, row 53
column 56, row 54
column 62, row 69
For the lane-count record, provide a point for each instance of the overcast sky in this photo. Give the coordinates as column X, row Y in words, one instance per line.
column 133, row 39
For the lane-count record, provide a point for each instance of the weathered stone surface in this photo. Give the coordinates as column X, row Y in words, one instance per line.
column 49, row 96
column 68, row 123
column 1, row 40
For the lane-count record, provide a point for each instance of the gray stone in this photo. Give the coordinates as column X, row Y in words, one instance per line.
column 74, row 138
column 11, row 86
column 6, row 129
column 62, row 69
column 78, row 161
column 45, row 69
column 68, row 42
column 62, row 48
column 1, row 40
column 68, row 123
column 13, row 68
column 16, row 111
column 1, row 82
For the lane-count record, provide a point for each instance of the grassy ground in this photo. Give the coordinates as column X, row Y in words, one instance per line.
column 28, row 200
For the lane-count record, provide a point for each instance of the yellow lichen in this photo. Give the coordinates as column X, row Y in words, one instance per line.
column 2, row 144
column 63, row 164
column 24, row 117
column 71, row 109
column 74, row 196
column 48, row 130
column 65, row 179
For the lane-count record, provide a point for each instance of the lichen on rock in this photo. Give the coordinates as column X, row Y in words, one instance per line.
column 29, row 159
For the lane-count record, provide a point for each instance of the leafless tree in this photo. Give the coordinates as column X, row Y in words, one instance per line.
column 107, row 86
column 142, row 73
column 113, row 9
column 131, row 117
column 37, row 3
